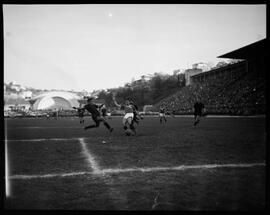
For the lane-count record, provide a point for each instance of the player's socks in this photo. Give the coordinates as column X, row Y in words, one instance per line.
column 196, row 122
column 132, row 127
column 107, row 125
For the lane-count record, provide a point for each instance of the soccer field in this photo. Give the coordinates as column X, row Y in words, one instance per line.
column 56, row 164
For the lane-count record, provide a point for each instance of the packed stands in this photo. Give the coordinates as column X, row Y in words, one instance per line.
column 243, row 94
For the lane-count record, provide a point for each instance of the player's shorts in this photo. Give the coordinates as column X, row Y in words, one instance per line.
column 128, row 116
column 97, row 118
column 198, row 113
column 161, row 114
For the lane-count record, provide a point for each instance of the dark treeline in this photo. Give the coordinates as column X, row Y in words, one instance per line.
column 144, row 92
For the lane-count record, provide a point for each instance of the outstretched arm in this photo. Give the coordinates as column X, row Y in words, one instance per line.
column 101, row 105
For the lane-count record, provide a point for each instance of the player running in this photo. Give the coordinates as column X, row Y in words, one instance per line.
column 129, row 117
column 198, row 111
column 137, row 115
column 93, row 110
column 162, row 116
column 80, row 114
column 103, row 111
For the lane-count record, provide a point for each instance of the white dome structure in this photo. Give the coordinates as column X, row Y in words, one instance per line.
column 56, row 100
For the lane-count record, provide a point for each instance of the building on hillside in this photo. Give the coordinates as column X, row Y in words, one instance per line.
column 15, row 86
column 203, row 66
column 253, row 59
column 26, row 94
column 146, row 77
column 189, row 73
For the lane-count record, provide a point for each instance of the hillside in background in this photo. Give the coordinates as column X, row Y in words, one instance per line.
column 145, row 91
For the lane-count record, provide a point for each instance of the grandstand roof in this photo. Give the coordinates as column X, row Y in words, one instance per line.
column 251, row 51
column 55, row 99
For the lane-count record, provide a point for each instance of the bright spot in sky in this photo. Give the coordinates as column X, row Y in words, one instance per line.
column 110, row 14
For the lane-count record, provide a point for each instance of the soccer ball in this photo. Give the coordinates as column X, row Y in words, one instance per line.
column 128, row 132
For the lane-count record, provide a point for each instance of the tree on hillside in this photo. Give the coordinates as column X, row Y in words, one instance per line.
column 107, row 96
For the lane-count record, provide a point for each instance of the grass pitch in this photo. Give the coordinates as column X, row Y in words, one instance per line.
column 52, row 165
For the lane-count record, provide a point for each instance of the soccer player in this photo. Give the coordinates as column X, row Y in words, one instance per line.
column 47, row 116
column 137, row 116
column 162, row 116
column 198, row 111
column 93, row 110
column 129, row 117
column 55, row 113
column 80, row 114
column 103, row 110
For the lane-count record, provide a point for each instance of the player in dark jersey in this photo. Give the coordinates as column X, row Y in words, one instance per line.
column 55, row 114
column 137, row 116
column 80, row 114
column 97, row 118
column 162, row 116
column 198, row 111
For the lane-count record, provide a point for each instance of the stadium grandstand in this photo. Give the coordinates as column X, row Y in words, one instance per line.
column 237, row 89
column 42, row 105
column 55, row 100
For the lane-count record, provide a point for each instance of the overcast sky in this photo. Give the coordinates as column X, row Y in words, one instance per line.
column 103, row 46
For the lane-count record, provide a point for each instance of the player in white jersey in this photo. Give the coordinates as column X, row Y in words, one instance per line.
column 137, row 115
column 128, row 117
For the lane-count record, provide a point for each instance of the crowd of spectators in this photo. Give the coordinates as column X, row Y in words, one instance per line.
column 240, row 94
column 41, row 113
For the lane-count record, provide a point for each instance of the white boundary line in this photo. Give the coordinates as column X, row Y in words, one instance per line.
column 90, row 158
column 7, row 184
column 207, row 116
column 97, row 171
column 47, row 175
column 39, row 127
column 45, row 139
